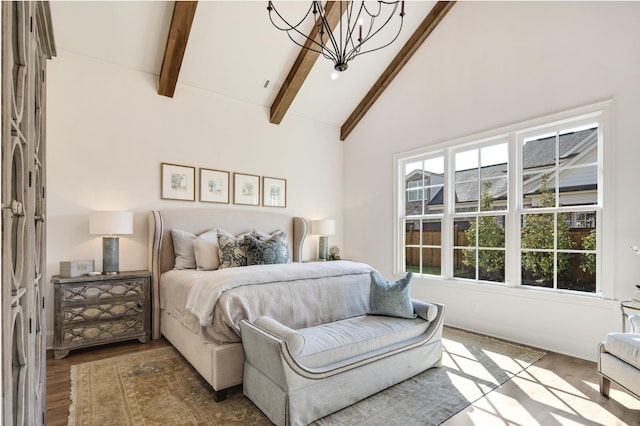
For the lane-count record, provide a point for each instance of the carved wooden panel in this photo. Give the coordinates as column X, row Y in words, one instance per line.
column 26, row 44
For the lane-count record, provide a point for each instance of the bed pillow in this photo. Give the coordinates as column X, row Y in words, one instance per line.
column 274, row 250
column 207, row 254
column 265, row 235
column 231, row 250
column 391, row 299
column 183, row 247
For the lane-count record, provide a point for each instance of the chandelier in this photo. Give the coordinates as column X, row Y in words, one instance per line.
column 354, row 34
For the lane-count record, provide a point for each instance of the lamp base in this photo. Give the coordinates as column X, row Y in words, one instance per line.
column 323, row 247
column 110, row 255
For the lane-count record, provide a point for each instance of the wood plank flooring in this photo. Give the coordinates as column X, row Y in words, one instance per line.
column 557, row 390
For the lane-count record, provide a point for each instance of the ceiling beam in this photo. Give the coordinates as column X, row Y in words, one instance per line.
column 302, row 66
column 183, row 13
column 427, row 26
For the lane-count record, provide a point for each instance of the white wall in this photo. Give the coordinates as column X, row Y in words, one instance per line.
column 108, row 131
column 489, row 65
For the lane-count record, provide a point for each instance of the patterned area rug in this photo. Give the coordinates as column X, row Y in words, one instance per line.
column 158, row 387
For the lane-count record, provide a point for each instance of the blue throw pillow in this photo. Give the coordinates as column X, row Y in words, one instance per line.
column 391, row 299
column 266, row 252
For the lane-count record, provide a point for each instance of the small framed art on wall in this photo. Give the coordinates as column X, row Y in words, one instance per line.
column 178, row 182
column 274, row 192
column 246, row 189
column 214, row 186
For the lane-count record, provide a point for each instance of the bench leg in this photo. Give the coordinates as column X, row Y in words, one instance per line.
column 605, row 385
column 222, row 394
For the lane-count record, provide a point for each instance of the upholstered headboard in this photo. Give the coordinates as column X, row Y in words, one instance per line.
column 199, row 220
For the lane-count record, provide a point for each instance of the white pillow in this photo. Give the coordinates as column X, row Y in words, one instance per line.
column 183, row 247
column 207, row 257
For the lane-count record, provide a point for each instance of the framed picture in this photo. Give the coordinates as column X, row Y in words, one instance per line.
column 274, row 192
column 246, row 189
column 178, row 182
column 214, row 186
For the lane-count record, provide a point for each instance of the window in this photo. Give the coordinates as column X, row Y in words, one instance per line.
column 559, row 171
column 481, row 197
column 522, row 207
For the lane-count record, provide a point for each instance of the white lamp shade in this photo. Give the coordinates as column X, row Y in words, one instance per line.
column 323, row 227
column 110, row 223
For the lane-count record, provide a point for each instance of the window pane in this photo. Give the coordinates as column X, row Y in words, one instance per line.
column 431, row 232
column 467, row 160
column 494, row 194
column 539, row 151
column 536, row 231
column 539, row 190
column 412, row 232
column 491, row 265
column 493, row 159
column 433, row 199
column 579, row 145
column 491, row 231
column 431, row 261
column 537, row 269
column 467, row 195
column 575, row 277
column 461, row 226
column 464, row 263
column 412, row 259
column 579, row 186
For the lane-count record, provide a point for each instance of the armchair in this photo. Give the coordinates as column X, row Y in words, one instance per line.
column 619, row 360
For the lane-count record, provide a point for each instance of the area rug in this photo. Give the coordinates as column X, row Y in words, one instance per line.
column 158, row 387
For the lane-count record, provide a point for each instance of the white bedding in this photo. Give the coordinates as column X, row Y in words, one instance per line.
column 297, row 294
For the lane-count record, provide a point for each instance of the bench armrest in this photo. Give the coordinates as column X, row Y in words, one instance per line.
column 293, row 339
column 425, row 310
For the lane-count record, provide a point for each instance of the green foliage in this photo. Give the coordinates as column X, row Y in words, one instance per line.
column 588, row 262
column 538, row 233
column 491, row 234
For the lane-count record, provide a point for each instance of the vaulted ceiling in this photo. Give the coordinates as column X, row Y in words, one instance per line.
column 231, row 49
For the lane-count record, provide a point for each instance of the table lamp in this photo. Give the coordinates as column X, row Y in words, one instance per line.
column 109, row 223
column 324, row 228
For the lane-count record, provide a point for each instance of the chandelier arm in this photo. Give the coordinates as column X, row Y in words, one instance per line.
column 271, row 7
column 336, row 53
column 351, row 55
column 294, row 28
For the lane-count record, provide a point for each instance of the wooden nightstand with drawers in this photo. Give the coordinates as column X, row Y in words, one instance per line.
column 95, row 310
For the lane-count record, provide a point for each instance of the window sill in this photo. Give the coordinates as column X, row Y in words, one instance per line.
column 587, row 300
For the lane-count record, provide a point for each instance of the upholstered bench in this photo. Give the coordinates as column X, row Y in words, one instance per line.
column 619, row 361
column 298, row 376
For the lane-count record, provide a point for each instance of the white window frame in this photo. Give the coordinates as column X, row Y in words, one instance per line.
column 600, row 112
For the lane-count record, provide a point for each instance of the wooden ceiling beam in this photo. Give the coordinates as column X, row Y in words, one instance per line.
column 427, row 26
column 183, row 13
column 302, row 66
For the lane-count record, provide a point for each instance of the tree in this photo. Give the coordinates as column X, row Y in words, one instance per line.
column 490, row 234
column 588, row 261
column 538, row 233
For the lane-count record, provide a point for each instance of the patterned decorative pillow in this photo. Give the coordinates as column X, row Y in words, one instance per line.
column 391, row 299
column 267, row 251
column 232, row 251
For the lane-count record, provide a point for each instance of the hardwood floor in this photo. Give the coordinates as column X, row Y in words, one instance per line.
column 557, row 390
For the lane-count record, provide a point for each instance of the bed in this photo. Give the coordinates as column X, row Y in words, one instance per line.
column 199, row 312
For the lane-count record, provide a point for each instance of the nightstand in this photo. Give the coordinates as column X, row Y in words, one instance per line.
column 94, row 310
